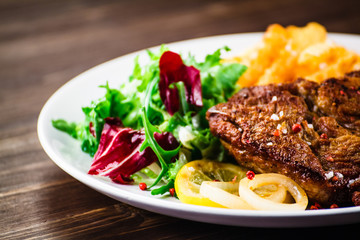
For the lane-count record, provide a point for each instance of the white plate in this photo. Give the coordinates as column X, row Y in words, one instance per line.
column 66, row 103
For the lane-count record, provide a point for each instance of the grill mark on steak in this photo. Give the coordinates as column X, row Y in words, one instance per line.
column 255, row 125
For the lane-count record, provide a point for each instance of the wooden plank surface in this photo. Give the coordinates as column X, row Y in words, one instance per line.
column 45, row 43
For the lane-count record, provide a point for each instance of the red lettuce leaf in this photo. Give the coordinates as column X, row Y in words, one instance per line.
column 118, row 155
column 172, row 70
column 92, row 129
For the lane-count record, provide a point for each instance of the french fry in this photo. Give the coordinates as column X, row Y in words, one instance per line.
column 285, row 54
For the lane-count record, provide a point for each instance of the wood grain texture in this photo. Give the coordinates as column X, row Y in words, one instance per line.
column 45, row 43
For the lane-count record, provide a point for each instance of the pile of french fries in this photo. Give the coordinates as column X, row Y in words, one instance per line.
column 287, row 53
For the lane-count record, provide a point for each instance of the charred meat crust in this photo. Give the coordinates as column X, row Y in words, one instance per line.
column 255, row 125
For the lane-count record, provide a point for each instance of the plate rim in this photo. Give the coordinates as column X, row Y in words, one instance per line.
column 161, row 205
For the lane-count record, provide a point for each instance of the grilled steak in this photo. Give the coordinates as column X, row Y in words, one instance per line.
column 306, row 131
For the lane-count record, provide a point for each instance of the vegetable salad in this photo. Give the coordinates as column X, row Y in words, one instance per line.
column 152, row 125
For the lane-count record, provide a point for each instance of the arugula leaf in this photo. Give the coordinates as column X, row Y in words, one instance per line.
column 164, row 156
column 163, row 189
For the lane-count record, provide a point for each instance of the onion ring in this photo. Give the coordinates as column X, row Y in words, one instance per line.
column 246, row 187
column 219, row 192
column 276, row 195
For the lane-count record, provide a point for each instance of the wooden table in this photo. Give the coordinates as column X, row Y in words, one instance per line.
column 45, row 43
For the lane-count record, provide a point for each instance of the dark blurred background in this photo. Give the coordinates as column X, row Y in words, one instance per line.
column 75, row 35
column 44, row 43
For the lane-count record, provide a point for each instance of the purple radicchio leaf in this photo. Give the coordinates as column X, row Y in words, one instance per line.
column 172, row 70
column 118, row 155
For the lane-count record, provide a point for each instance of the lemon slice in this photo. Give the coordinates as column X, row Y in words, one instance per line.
column 192, row 174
